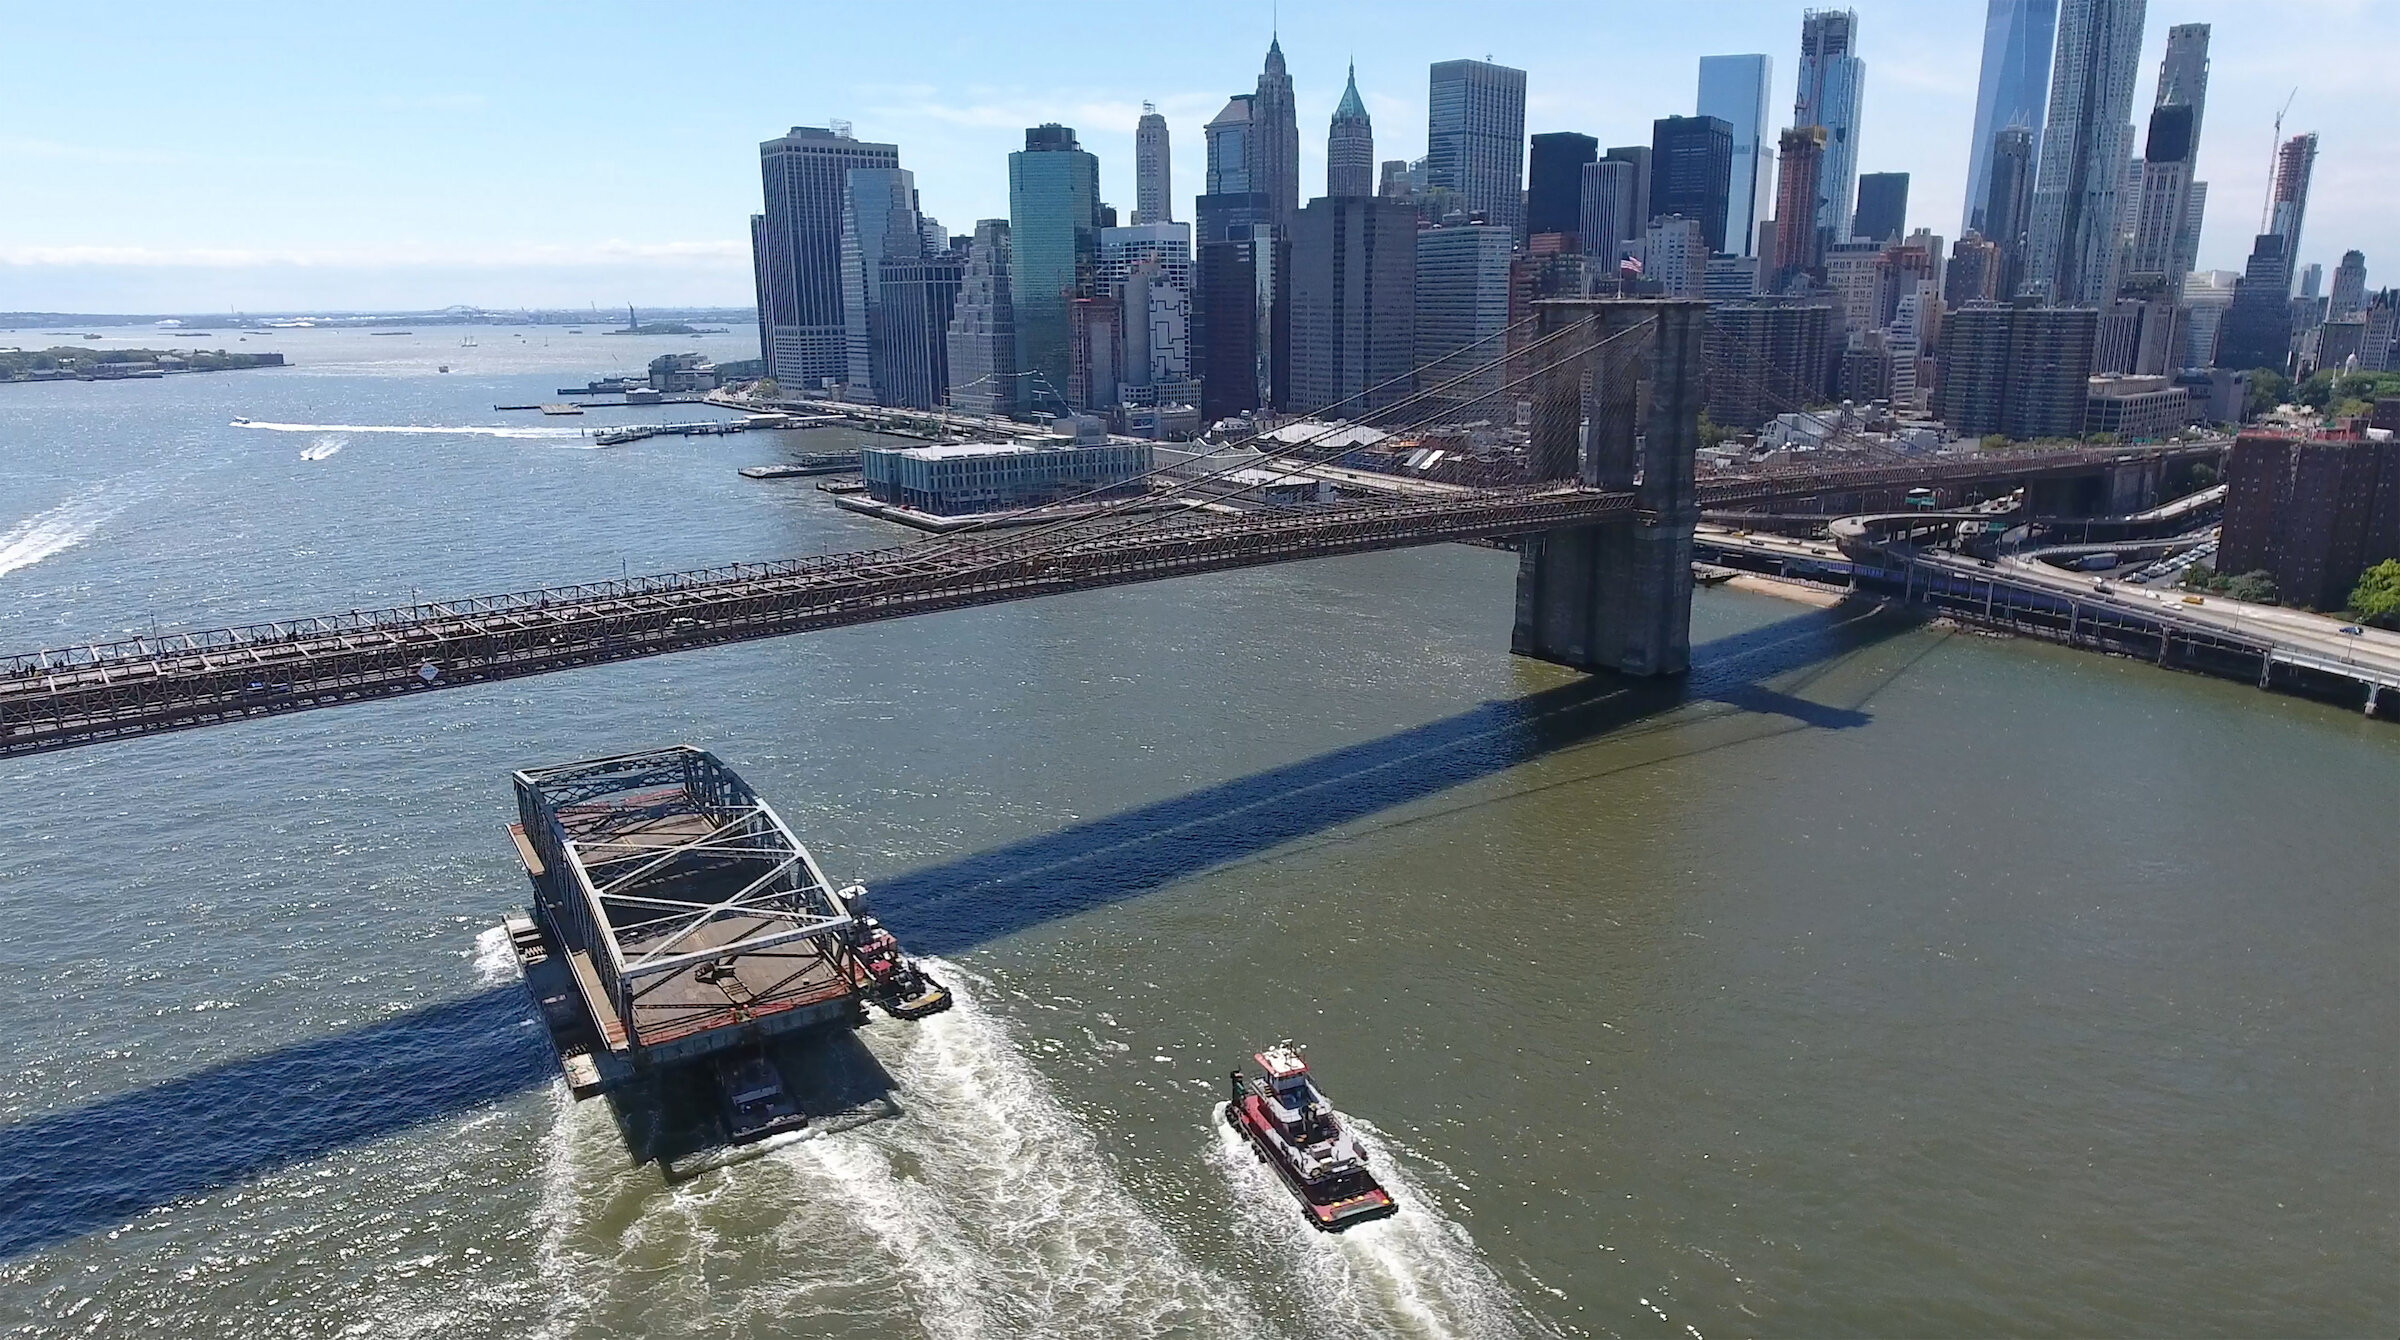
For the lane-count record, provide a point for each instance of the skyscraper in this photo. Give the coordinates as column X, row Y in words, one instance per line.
column 1833, row 84
column 1605, row 219
column 913, row 315
column 2166, row 233
column 2007, row 208
column 1054, row 228
column 1767, row 356
column 1735, row 90
column 2072, row 257
column 1882, row 207
column 1350, row 145
column 1675, row 254
column 1475, row 138
column 1554, row 190
column 2257, row 329
column 1799, row 242
column 2293, row 164
column 2183, row 72
column 983, row 332
column 805, row 175
column 1227, row 137
column 2349, row 296
column 1691, row 166
column 1275, row 139
column 2012, row 91
column 1638, row 157
column 1169, row 245
column 1462, row 275
column 758, row 278
column 879, row 222
column 1241, row 322
column 1153, row 172
column 1974, row 273
column 1354, row 265
column 2021, row 371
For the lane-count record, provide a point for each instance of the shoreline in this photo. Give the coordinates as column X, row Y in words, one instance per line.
column 1784, row 588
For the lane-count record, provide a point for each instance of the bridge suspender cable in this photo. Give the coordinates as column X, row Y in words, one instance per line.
column 1068, row 535
column 988, row 525
column 1017, row 545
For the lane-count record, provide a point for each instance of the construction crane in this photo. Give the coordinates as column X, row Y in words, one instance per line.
column 2266, row 209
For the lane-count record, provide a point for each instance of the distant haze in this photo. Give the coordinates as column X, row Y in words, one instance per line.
column 288, row 156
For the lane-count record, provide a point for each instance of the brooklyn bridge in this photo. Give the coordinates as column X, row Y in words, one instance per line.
column 1603, row 530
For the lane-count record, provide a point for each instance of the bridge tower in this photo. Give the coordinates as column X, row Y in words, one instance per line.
column 1625, row 415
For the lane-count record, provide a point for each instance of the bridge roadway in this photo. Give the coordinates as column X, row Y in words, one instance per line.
column 62, row 697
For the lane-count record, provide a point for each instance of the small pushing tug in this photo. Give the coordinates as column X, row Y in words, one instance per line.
column 903, row 989
column 1294, row 1129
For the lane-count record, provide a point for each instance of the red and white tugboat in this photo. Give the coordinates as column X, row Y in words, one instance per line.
column 1299, row 1134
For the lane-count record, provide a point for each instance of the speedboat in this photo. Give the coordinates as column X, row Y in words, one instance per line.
column 240, row 422
column 894, row 980
column 756, row 1103
column 1294, row 1130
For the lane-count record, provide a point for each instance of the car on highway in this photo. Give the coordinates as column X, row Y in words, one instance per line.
column 2352, row 629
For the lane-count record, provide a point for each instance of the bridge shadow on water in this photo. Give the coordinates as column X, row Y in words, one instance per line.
column 95, row 1166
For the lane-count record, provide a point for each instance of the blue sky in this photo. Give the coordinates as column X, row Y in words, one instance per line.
column 264, row 156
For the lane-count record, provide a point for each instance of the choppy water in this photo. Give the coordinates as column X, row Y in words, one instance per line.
column 1879, row 981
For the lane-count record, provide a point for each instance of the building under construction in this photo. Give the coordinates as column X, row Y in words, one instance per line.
column 676, row 917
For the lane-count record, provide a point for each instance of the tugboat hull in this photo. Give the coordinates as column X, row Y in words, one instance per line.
column 931, row 997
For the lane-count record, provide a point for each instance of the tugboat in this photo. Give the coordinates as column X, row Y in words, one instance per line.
column 756, row 1103
column 1291, row 1126
column 897, row 983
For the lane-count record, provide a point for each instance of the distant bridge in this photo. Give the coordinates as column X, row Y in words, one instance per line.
column 66, row 696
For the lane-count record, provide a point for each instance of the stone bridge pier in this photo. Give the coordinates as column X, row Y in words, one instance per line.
column 1625, row 415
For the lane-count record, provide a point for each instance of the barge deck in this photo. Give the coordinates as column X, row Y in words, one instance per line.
column 675, row 917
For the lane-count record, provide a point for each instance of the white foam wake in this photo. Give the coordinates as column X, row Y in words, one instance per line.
column 436, row 430
column 323, row 447
column 1416, row 1273
column 54, row 532
column 995, row 1204
column 494, row 957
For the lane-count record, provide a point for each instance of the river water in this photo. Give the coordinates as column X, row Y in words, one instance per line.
column 1879, row 980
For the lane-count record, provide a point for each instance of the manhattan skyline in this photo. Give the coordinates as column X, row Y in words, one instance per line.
column 338, row 165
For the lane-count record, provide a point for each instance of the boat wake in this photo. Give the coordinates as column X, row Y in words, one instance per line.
column 1416, row 1273
column 494, row 957
column 50, row 533
column 434, row 430
column 972, row 1201
column 996, row 1206
column 323, row 447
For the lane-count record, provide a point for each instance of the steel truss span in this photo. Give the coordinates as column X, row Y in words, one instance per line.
column 61, row 697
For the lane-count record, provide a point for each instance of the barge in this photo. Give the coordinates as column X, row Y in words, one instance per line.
column 678, row 927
